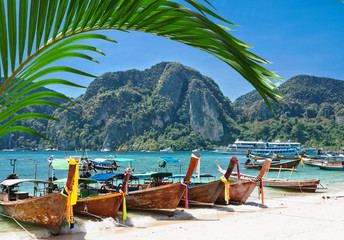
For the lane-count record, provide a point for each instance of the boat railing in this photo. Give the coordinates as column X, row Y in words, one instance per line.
column 279, row 172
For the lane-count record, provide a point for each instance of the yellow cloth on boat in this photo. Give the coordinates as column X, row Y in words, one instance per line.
column 76, row 181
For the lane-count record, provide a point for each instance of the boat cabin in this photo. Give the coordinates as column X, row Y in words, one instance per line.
column 20, row 189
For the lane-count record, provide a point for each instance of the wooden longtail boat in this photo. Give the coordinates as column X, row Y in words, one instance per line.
column 47, row 210
column 100, row 204
column 163, row 198
column 335, row 166
column 313, row 162
column 286, row 165
column 205, row 194
column 241, row 190
column 309, row 185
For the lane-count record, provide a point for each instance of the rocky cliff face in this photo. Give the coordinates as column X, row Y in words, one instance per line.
column 119, row 108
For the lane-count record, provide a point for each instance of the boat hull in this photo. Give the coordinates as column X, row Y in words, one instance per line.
column 47, row 211
column 163, row 199
column 277, row 166
column 239, row 192
column 300, row 186
column 204, row 194
column 105, row 205
column 333, row 168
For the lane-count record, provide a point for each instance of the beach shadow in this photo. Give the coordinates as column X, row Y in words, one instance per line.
column 69, row 236
column 224, row 208
column 254, row 204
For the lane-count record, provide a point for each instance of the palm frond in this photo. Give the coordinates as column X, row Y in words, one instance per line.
column 49, row 31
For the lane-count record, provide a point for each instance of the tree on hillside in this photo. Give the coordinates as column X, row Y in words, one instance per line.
column 36, row 33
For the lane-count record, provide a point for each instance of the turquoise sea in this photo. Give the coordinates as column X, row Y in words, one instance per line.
column 145, row 162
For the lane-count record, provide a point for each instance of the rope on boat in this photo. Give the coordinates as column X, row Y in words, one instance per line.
column 102, row 218
column 30, row 234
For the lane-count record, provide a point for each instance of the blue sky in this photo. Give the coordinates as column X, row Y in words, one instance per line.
column 298, row 36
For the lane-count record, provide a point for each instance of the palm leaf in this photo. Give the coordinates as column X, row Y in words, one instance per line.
column 50, row 30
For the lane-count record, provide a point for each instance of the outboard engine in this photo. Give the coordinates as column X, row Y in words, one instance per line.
column 85, row 175
column 248, row 161
column 12, row 176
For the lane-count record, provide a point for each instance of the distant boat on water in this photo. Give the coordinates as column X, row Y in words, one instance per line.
column 166, row 150
column 260, row 147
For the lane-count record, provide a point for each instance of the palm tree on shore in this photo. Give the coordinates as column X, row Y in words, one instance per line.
column 35, row 34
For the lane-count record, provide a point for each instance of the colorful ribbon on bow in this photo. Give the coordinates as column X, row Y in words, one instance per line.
column 261, row 188
column 303, row 165
column 124, row 206
column 226, row 182
column 125, row 194
column 186, row 197
column 72, row 194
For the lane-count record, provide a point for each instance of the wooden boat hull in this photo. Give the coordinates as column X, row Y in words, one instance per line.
column 301, row 185
column 309, row 185
column 47, row 211
column 313, row 163
column 105, row 205
column 162, row 199
column 333, row 168
column 277, row 166
column 239, row 192
column 206, row 193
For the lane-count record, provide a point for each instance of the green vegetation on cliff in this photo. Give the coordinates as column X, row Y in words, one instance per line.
column 170, row 105
column 312, row 113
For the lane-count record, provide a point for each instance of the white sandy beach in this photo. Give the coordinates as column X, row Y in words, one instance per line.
column 302, row 216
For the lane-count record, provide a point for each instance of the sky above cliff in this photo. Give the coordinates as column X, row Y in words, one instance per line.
column 298, row 36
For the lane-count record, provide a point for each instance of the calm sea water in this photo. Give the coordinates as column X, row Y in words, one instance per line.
column 145, row 162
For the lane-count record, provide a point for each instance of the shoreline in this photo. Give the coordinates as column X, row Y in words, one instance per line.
column 305, row 216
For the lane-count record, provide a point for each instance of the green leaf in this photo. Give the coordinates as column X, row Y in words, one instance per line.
column 22, row 129
column 70, row 14
column 50, row 19
column 24, row 116
column 12, row 31
column 23, row 9
column 32, row 24
column 80, row 12
column 3, row 40
column 59, row 17
column 42, row 15
column 27, row 87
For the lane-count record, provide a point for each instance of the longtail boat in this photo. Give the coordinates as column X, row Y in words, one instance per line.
column 313, row 162
column 47, row 210
column 285, row 165
column 164, row 198
column 308, row 185
column 205, row 194
column 158, row 196
column 335, row 166
column 94, row 202
column 240, row 191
